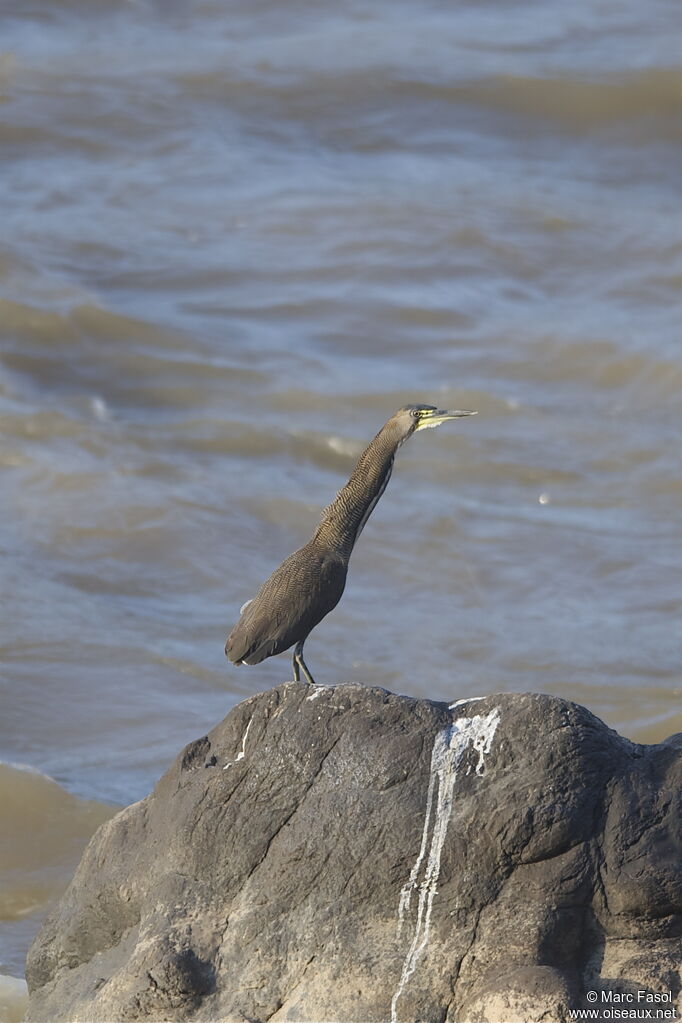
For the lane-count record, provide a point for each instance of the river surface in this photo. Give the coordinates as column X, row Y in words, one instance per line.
column 235, row 238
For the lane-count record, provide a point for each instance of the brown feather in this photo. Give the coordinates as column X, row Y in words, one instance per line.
column 288, row 606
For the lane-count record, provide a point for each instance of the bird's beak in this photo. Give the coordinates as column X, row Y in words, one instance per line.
column 430, row 419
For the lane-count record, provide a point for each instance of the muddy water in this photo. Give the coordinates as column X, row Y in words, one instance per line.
column 233, row 242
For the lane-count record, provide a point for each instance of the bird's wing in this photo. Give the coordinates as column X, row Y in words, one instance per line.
column 288, row 605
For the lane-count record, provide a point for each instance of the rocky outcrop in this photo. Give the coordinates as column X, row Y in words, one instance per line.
column 351, row 855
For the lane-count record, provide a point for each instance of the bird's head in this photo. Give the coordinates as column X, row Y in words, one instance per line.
column 411, row 418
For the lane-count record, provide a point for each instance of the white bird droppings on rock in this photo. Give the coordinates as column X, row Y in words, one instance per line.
column 449, row 748
column 468, row 699
column 242, row 751
column 318, row 692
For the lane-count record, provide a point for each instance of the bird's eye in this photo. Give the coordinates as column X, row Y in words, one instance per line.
column 415, row 413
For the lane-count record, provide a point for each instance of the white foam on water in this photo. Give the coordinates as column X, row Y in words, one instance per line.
column 342, row 446
column 449, row 748
column 100, row 409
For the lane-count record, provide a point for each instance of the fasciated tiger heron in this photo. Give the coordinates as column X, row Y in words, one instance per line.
column 309, row 583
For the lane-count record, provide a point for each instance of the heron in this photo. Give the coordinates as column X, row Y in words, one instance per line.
column 309, row 583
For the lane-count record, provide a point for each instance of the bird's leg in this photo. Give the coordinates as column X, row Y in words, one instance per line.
column 300, row 663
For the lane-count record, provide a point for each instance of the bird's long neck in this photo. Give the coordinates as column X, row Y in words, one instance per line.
column 344, row 519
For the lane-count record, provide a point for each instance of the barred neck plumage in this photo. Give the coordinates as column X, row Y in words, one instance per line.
column 345, row 518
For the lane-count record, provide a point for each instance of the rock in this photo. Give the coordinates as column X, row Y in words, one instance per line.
column 345, row 854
